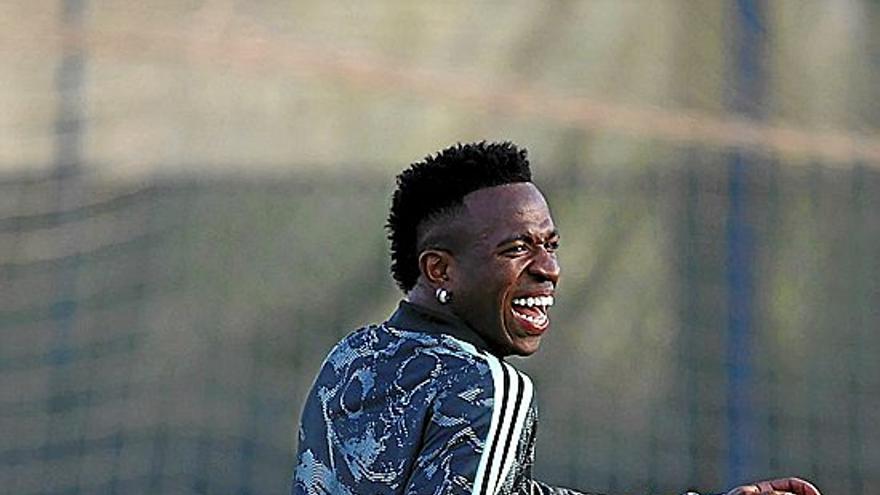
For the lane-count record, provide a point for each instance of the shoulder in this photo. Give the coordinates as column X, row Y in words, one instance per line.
column 443, row 357
column 406, row 358
column 409, row 361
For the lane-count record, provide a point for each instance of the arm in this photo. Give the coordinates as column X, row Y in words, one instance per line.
column 453, row 436
column 479, row 437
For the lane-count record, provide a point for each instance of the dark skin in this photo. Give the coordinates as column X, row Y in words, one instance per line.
column 501, row 248
column 784, row 486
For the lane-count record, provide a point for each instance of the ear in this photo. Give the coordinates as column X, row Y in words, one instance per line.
column 435, row 266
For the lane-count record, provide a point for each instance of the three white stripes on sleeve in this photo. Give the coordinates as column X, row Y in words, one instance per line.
column 512, row 400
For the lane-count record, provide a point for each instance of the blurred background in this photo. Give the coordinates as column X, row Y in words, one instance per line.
column 193, row 194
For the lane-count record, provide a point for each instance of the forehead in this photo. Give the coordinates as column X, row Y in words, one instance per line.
column 508, row 209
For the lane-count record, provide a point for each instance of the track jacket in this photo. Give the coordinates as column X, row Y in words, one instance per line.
column 417, row 405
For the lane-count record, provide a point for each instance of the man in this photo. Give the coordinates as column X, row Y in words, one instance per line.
column 424, row 403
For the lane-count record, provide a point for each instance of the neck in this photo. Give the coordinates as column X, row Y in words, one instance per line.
column 423, row 295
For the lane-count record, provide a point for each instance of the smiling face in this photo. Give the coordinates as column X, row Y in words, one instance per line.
column 504, row 276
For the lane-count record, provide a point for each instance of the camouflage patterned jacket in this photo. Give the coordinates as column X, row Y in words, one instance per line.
column 417, row 405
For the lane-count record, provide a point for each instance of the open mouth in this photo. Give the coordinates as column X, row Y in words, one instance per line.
column 532, row 310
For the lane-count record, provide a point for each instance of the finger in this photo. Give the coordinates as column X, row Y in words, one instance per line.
column 796, row 486
column 769, row 487
column 800, row 487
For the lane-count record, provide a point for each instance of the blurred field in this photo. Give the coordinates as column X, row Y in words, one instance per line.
column 192, row 197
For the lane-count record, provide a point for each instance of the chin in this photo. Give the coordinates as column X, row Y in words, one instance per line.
column 524, row 349
column 519, row 342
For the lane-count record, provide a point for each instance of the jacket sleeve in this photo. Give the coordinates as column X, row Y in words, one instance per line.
column 454, row 434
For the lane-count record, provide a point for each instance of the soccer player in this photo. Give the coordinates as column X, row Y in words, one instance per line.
column 425, row 403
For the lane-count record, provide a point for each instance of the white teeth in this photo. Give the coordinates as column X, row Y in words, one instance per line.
column 529, row 302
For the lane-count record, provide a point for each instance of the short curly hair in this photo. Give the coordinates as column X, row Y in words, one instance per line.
column 437, row 186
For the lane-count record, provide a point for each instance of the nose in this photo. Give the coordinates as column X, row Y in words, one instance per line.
column 545, row 267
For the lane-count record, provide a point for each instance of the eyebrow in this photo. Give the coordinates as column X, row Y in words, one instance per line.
column 525, row 238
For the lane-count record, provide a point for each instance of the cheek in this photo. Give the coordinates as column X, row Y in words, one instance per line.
column 488, row 284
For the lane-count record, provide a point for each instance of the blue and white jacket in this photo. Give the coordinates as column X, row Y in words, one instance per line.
column 417, row 405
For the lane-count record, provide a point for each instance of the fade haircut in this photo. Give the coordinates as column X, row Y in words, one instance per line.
column 436, row 186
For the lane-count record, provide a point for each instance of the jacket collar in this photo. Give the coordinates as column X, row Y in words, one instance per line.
column 410, row 316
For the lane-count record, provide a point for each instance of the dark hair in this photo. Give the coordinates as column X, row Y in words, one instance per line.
column 437, row 186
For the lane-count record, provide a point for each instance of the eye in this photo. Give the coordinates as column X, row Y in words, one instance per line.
column 552, row 246
column 517, row 249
